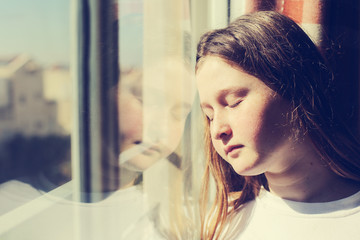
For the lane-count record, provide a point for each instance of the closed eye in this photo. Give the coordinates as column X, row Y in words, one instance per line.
column 208, row 117
column 235, row 104
column 208, row 111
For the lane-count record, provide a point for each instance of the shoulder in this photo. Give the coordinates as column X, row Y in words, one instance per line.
column 283, row 219
column 238, row 220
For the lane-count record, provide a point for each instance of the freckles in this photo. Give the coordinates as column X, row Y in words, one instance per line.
column 256, row 123
column 249, row 126
column 274, row 131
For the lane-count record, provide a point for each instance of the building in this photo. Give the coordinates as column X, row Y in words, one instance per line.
column 23, row 106
column 58, row 88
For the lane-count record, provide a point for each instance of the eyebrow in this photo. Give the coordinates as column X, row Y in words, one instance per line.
column 205, row 106
column 187, row 106
column 221, row 95
column 237, row 91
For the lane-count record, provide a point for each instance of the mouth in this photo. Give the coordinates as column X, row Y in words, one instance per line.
column 232, row 148
column 140, row 147
column 148, row 148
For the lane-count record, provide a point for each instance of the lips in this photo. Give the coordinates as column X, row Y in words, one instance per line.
column 148, row 148
column 232, row 148
column 139, row 147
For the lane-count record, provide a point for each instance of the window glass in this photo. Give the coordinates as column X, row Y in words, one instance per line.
column 35, row 100
column 127, row 100
column 155, row 96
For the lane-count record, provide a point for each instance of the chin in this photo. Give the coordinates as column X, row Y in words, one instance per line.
column 247, row 170
column 141, row 162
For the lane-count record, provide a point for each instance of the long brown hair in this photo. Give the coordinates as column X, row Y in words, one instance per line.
column 276, row 50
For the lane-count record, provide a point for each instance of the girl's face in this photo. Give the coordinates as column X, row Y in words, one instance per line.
column 247, row 119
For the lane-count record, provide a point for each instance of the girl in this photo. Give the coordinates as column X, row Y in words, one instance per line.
column 284, row 166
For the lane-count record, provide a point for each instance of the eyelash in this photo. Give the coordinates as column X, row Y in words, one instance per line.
column 235, row 104
column 230, row 106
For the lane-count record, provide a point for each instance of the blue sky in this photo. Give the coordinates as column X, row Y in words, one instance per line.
column 131, row 32
column 41, row 28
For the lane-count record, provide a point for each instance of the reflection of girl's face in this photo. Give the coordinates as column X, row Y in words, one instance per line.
column 131, row 133
column 151, row 118
column 130, row 119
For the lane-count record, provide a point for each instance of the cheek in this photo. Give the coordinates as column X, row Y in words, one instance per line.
column 258, row 125
column 271, row 130
column 248, row 124
column 130, row 120
column 173, row 134
column 219, row 147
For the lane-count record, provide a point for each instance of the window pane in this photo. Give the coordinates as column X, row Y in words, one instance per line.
column 136, row 165
column 156, row 93
column 35, row 100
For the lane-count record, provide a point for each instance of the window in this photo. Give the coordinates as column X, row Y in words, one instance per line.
column 22, row 99
column 35, row 158
column 134, row 165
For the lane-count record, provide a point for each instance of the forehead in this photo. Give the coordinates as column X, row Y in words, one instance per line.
column 216, row 76
column 216, row 70
column 210, row 65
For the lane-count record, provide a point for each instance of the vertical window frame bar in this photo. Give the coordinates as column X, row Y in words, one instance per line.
column 95, row 137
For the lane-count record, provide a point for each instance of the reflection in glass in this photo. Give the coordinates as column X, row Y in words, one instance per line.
column 143, row 183
column 155, row 97
column 34, row 129
column 152, row 115
column 35, row 100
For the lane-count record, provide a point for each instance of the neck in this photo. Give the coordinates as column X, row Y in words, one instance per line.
column 308, row 179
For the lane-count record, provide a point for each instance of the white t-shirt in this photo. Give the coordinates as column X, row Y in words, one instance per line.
column 269, row 217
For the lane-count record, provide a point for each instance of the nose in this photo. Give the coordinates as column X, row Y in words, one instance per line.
column 221, row 129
